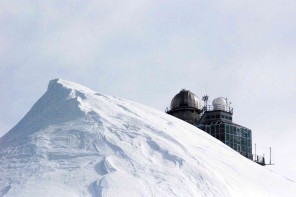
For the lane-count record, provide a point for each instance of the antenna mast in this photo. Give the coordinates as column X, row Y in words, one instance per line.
column 205, row 98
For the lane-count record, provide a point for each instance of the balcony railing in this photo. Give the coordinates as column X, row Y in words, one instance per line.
column 218, row 107
column 259, row 159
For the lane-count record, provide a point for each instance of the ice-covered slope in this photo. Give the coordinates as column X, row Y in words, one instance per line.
column 76, row 142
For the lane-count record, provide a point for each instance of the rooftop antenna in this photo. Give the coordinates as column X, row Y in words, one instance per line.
column 205, row 98
column 228, row 103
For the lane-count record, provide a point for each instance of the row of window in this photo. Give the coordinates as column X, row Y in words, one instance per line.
column 239, row 133
column 231, row 130
column 243, row 132
column 239, row 148
column 238, row 138
column 219, row 116
column 231, row 138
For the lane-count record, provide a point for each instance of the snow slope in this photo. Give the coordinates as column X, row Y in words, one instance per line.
column 76, row 142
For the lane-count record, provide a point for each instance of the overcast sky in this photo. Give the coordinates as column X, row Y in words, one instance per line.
column 147, row 51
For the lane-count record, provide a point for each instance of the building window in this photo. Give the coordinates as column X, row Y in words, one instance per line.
column 231, row 138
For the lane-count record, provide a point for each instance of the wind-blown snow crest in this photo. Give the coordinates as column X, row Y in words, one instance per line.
column 76, row 142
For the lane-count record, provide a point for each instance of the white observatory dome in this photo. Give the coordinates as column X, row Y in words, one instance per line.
column 219, row 103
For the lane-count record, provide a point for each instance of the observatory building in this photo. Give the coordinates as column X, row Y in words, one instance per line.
column 215, row 119
column 186, row 106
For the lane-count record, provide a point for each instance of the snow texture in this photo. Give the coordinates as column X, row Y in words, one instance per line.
column 76, row 142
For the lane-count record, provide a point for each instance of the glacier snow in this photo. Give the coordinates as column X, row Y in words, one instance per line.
column 77, row 142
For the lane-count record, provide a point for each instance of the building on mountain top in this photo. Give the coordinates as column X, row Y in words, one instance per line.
column 215, row 119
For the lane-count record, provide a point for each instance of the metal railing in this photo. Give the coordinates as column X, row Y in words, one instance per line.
column 218, row 107
column 259, row 159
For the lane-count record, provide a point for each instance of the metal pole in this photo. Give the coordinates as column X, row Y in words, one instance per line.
column 255, row 151
column 270, row 155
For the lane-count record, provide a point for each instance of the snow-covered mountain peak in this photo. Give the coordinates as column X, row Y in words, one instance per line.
column 62, row 102
column 76, row 142
column 57, row 84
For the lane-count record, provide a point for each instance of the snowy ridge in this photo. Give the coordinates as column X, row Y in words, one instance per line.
column 76, row 142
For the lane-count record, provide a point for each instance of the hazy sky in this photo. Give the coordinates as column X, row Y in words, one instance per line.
column 147, row 51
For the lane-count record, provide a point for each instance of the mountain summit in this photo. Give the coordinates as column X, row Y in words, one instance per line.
column 76, row 142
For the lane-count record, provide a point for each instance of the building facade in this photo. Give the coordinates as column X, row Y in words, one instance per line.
column 215, row 119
